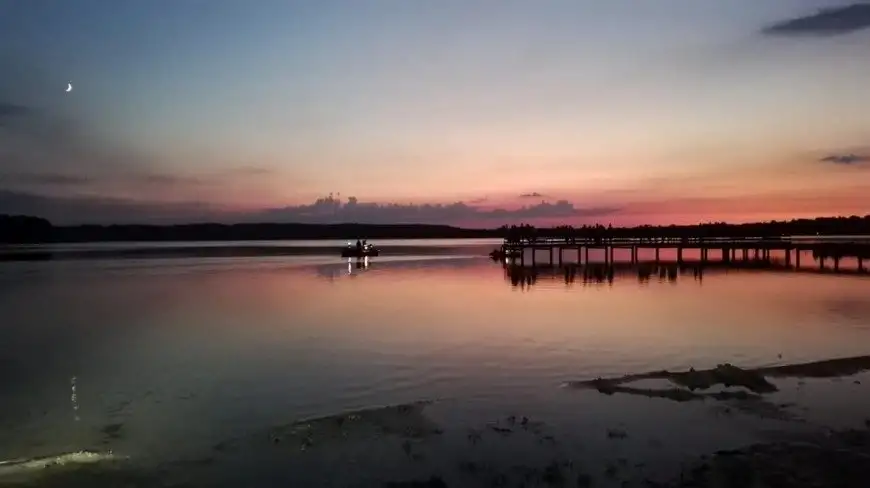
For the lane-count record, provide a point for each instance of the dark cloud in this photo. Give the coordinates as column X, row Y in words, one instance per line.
column 12, row 110
column 228, row 176
column 114, row 183
column 35, row 181
column 44, row 179
column 164, row 179
column 478, row 201
column 330, row 210
column 252, row 171
column 534, row 194
column 94, row 210
column 827, row 22
column 846, row 159
column 42, row 143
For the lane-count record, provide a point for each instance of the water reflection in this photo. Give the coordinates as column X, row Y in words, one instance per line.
column 353, row 268
column 605, row 273
column 205, row 351
column 361, row 264
column 599, row 273
column 74, row 398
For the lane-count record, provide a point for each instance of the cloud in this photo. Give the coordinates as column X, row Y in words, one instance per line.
column 331, row 210
column 12, row 110
column 252, row 171
column 97, row 210
column 78, row 210
column 826, row 22
column 16, row 180
column 164, row 179
column 219, row 177
column 532, row 195
column 846, row 159
column 44, row 179
column 122, row 184
column 39, row 142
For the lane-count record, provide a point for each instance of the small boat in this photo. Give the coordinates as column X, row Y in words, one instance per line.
column 353, row 252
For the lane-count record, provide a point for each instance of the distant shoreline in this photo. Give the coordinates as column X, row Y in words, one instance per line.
column 35, row 230
column 45, row 252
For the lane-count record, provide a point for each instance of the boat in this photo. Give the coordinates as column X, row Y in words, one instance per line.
column 353, row 252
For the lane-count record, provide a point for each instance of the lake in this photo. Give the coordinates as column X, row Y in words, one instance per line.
column 436, row 365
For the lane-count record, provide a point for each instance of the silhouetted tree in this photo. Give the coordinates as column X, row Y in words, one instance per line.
column 24, row 229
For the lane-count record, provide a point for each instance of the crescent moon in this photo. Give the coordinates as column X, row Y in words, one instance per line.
column 69, row 87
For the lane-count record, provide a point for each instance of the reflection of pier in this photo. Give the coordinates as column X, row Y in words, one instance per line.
column 598, row 273
column 728, row 250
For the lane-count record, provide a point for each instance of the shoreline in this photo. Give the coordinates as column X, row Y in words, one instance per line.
column 217, row 251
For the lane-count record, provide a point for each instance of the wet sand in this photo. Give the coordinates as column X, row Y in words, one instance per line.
column 833, row 459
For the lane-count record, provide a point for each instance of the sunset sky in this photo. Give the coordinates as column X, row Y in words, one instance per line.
column 449, row 111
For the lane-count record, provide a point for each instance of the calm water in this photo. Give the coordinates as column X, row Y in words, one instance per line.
column 187, row 365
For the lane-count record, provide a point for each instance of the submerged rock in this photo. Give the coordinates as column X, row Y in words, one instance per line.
column 553, row 475
column 406, row 421
column 724, row 374
column 616, row 434
column 433, row 482
column 728, row 375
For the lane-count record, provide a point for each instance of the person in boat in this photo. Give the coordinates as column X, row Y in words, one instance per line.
column 359, row 246
column 365, row 245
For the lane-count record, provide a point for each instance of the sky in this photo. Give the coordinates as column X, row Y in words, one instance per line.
column 479, row 113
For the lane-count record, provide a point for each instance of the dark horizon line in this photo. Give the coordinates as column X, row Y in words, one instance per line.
column 28, row 229
column 423, row 225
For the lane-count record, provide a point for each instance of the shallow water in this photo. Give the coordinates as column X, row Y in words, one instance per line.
column 190, row 366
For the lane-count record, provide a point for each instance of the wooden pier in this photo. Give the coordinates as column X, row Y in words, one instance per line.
column 727, row 250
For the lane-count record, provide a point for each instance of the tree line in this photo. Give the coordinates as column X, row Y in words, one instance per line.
column 823, row 226
column 29, row 229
